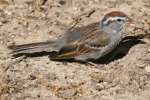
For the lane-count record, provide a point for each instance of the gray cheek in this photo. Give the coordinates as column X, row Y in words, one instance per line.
column 116, row 26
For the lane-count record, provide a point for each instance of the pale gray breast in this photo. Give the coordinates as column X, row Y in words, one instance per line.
column 115, row 40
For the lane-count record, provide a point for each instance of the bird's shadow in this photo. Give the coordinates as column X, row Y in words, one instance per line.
column 122, row 49
column 119, row 52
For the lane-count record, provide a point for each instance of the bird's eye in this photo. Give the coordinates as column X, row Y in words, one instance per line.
column 119, row 20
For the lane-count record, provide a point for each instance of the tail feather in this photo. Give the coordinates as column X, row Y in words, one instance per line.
column 34, row 47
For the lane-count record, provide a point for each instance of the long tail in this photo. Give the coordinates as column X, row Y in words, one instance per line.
column 48, row 46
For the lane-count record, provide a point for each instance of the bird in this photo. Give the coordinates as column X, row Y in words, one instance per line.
column 85, row 43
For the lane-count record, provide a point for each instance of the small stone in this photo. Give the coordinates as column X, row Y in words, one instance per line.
column 141, row 65
column 148, row 50
column 99, row 87
column 147, row 69
column 68, row 93
column 62, row 2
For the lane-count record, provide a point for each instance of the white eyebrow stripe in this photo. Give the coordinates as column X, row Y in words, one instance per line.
column 113, row 18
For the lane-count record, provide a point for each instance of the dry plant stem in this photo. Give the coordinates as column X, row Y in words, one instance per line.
column 145, row 31
column 14, row 62
column 94, row 65
column 77, row 19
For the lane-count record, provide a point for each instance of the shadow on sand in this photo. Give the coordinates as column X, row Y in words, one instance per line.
column 122, row 49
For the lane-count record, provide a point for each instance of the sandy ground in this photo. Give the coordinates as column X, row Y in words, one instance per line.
column 127, row 77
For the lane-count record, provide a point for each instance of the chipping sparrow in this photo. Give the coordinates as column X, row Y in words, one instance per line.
column 84, row 43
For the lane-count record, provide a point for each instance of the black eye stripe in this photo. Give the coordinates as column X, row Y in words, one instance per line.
column 107, row 20
column 110, row 21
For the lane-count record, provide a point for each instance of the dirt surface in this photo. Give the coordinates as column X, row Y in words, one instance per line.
column 39, row 78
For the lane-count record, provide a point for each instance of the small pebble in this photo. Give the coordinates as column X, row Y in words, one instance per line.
column 67, row 93
column 147, row 68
